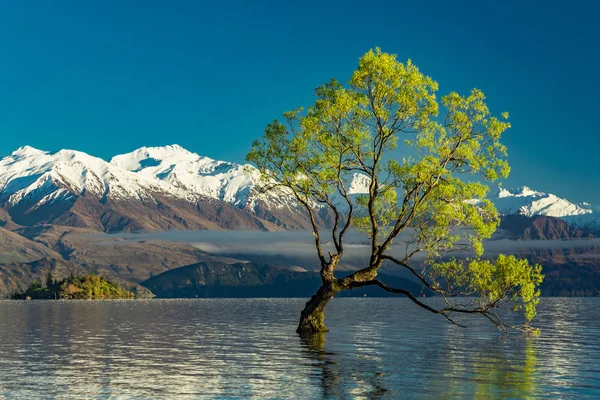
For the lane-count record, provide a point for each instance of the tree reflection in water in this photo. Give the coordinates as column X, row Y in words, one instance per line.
column 485, row 372
column 498, row 375
column 342, row 379
column 489, row 371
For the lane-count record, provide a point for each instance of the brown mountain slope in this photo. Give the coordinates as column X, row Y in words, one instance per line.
column 18, row 276
column 16, row 248
column 161, row 213
column 131, row 260
column 6, row 221
column 539, row 228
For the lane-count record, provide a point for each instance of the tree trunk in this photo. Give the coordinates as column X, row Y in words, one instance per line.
column 313, row 315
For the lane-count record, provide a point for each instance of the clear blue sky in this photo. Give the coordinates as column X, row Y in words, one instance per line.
column 107, row 77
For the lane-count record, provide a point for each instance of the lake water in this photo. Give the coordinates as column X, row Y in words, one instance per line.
column 231, row 348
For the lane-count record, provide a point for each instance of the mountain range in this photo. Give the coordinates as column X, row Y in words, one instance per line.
column 156, row 188
column 56, row 210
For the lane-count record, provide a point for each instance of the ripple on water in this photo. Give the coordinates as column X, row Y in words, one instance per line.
column 377, row 348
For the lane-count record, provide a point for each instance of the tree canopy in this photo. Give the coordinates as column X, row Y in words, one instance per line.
column 428, row 164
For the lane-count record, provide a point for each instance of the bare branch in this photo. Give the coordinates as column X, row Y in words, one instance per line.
column 407, row 294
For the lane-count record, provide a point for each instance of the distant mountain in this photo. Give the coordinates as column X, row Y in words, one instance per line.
column 152, row 188
column 571, row 264
column 30, row 253
column 539, row 227
column 133, row 260
column 16, row 248
column 528, row 202
column 187, row 171
column 169, row 187
column 254, row 280
column 71, row 188
column 17, row 276
column 232, row 183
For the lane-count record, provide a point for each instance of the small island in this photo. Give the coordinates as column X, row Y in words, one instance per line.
column 83, row 287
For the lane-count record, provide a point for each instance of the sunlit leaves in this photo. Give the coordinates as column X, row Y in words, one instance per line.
column 506, row 279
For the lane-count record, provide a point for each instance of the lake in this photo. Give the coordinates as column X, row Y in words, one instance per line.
column 232, row 348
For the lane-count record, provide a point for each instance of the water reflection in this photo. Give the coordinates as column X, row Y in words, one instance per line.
column 492, row 376
column 366, row 382
column 500, row 368
column 377, row 348
column 313, row 347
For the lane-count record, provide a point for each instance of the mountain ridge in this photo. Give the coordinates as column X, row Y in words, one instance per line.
column 75, row 189
column 169, row 187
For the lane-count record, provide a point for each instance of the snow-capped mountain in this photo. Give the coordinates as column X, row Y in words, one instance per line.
column 358, row 184
column 236, row 184
column 171, row 187
column 528, row 202
column 38, row 176
column 149, row 188
column 221, row 180
column 73, row 188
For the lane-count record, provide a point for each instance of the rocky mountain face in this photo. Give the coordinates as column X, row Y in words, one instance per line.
column 30, row 253
column 539, row 227
column 17, row 276
column 134, row 260
column 16, row 248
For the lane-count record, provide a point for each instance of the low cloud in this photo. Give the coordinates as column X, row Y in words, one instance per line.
column 300, row 244
column 517, row 246
column 288, row 243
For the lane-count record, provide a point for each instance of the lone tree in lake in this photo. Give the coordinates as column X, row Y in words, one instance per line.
column 435, row 194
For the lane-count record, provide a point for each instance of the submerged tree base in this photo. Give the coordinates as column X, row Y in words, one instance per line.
column 313, row 323
column 312, row 318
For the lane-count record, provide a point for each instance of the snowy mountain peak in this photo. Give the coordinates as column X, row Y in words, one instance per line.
column 145, row 157
column 38, row 177
column 27, row 151
column 359, row 184
column 529, row 202
column 183, row 169
column 523, row 191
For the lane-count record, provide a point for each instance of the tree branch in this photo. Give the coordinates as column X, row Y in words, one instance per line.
column 407, row 294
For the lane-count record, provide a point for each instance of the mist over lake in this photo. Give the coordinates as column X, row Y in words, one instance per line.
column 300, row 243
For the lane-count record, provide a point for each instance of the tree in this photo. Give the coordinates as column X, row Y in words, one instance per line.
column 49, row 279
column 435, row 194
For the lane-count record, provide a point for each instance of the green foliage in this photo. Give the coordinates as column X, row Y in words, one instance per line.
column 493, row 282
column 49, row 279
column 437, row 194
column 85, row 287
